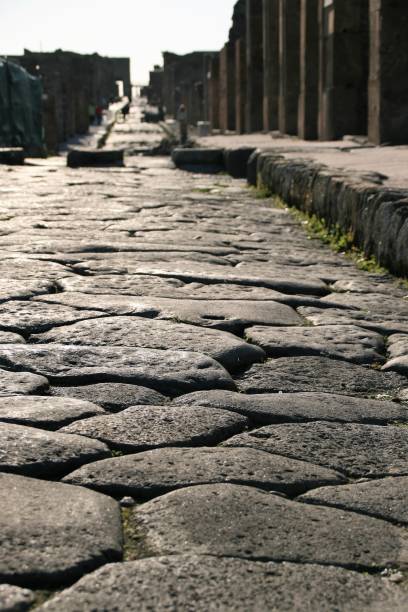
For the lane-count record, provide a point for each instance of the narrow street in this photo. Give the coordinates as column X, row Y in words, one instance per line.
column 202, row 408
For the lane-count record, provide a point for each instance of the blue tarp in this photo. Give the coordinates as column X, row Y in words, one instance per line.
column 20, row 108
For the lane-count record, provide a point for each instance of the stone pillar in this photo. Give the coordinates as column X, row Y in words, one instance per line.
column 254, row 105
column 270, row 64
column 388, row 79
column 289, row 53
column 343, row 64
column 240, row 84
column 227, row 87
column 309, row 69
column 214, row 93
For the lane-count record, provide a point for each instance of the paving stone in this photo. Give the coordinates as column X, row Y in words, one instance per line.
column 10, row 338
column 186, row 582
column 397, row 345
column 297, row 374
column 31, row 271
column 169, row 371
column 15, row 599
column 29, row 317
column 232, row 352
column 38, row 453
column 357, row 450
column 366, row 284
column 386, row 498
column 335, row 316
column 230, row 315
column 271, row 408
column 141, row 428
column 398, row 364
column 378, row 303
column 113, row 397
column 240, row 521
column 158, row 471
column 21, row 383
column 52, row 533
column 45, row 412
column 346, row 342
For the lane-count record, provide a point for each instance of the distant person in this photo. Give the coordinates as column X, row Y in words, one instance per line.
column 91, row 113
column 182, row 119
column 125, row 111
column 99, row 114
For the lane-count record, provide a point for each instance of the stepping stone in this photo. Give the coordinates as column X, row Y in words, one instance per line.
column 356, row 450
column 10, row 338
column 21, row 383
column 386, row 498
column 15, row 599
column 156, row 472
column 311, row 374
column 186, row 582
column 53, row 533
column 335, row 316
column 30, row 317
column 44, row 454
column 113, row 397
column 232, row 352
column 229, row 315
column 45, row 412
column 346, row 342
column 199, row 160
column 141, row 428
column 270, row 408
column 236, row 161
column 169, row 371
column 95, row 157
column 240, row 521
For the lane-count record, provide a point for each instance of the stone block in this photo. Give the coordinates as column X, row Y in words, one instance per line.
column 78, row 158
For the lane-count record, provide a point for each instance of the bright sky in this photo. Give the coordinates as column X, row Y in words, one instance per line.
column 139, row 29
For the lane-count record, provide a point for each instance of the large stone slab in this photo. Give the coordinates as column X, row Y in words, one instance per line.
column 336, row 316
column 397, row 345
column 10, row 338
column 186, row 582
column 230, row 315
column 386, row 498
column 347, row 342
column 232, row 352
column 15, row 599
column 35, row 452
column 376, row 303
column 240, row 521
column 113, row 397
column 169, row 371
column 45, row 412
column 140, row 428
column 21, row 383
column 30, row 317
column 53, row 533
column 357, row 450
column 267, row 408
column 298, row 374
column 156, row 472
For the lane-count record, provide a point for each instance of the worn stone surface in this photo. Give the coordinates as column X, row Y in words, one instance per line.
column 231, row 352
column 334, row 316
column 45, row 412
column 297, row 374
column 10, row 338
column 158, row 471
column 230, row 516
column 33, row 452
column 167, row 371
column 21, row 383
column 112, row 396
column 357, row 450
column 386, row 498
column 52, row 533
column 142, row 427
column 267, row 408
column 173, row 583
column 15, row 599
column 346, row 342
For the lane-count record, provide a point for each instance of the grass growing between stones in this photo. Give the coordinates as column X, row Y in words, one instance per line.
column 133, row 541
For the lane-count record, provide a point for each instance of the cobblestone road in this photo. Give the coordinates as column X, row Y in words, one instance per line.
column 201, row 409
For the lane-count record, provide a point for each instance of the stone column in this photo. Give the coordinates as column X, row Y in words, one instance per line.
column 227, row 87
column 343, row 68
column 309, row 69
column 254, row 32
column 240, row 84
column 388, row 78
column 270, row 64
column 289, row 52
column 213, row 92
